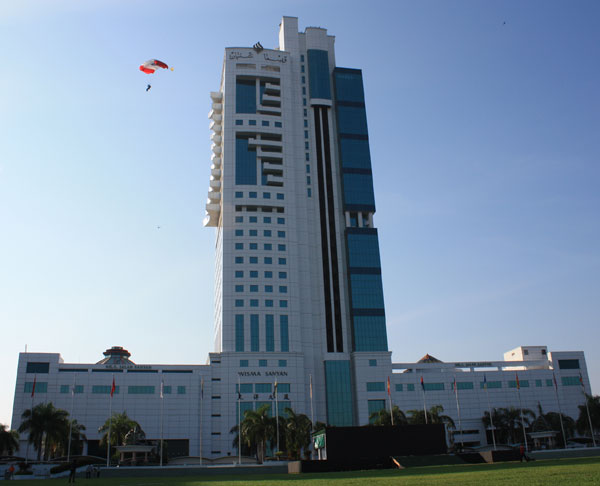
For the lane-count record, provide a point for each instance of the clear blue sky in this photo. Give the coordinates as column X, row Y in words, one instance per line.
column 486, row 155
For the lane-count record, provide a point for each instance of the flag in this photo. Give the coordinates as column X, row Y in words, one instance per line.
column 580, row 381
column 162, row 386
column 112, row 388
column 202, row 388
column 310, row 386
column 275, row 388
column 388, row 386
column 33, row 387
column 484, row 382
column 422, row 384
column 518, row 384
column 555, row 384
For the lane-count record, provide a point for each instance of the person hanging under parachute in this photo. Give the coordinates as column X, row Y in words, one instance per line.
column 150, row 67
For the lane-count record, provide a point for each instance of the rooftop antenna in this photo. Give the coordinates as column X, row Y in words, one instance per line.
column 26, row 348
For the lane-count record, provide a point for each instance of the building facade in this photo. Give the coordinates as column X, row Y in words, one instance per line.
column 298, row 291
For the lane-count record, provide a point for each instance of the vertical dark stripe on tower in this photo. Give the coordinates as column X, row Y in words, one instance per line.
column 323, row 222
column 339, row 337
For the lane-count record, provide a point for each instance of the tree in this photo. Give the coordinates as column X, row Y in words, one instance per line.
column 297, row 433
column 583, row 423
column 551, row 422
column 507, row 422
column 78, row 437
column 46, row 426
column 257, row 428
column 119, row 426
column 382, row 417
column 434, row 416
column 9, row 440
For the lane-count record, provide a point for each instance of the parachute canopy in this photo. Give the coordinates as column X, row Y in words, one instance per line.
column 149, row 67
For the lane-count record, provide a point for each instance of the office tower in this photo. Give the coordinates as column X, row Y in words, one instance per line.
column 298, row 275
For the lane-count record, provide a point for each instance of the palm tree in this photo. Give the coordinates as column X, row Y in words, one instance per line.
column 583, row 423
column 78, row 437
column 434, row 416
column 119, row 426
column 9, row 440
column 258, row 427
column 382, row 417
column 507, row 422
column 297, row 433
column 45, row 425
column 551, row 421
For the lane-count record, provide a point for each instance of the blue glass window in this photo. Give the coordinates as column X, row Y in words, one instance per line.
column 239, row 219
column 239, row 194
column 363, row 250
column 266, row 195
column 254, row 336
column 280, row 195
column 278, row 124
column 349, row 86
column 253, row 273
column 375, row 386
column 283, row 289
column 372, row 362
column 265, row 123
column 283, row 363
column 239, row 246
column 352, row 120
column 239, row 288
column 253, row 302
column 245, row 96
column 339, row 393
column 253, row 259
column 268, row 303
column 281, row 234
column 358, row 190
column 245, row 162
column 282, row 261
column 283, row 333
column 243, row 363
column 270, row 332
column 267, row 219
column 253, row 246
column 263, row 364
column 282, row 274
column 239, row 259
column 239, row 303
column 283, row 303
column 239, row 332
column 367, row 291
column 253, row 232
column 263, row 387
column 252, row 122
column 281, row 247
column 268, row 246
column 252, row 195
column 374, row 406
column 239, row 232
column 267, row 233
column 369, row 333
column 355, row 153
column 253, row 219
column 318, row 74
column 239, row 274
column 268, row 260
column 239, row 122
column 268, row 274
column 253, row 288
column 268, row 288
column 280, row 220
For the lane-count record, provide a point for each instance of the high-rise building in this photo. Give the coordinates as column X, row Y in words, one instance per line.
column 299, row 311
column 298, row 275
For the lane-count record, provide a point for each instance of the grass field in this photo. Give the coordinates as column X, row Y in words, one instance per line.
column 561, row 472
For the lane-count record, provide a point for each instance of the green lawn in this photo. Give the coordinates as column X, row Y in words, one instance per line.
column 539, row 473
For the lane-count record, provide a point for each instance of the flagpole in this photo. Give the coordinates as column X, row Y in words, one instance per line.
column 112, row 389
column 71, row 420
column 312, row 414
column 562, row 427
column 588, row 409
column 32, row 395
column 162, row 407
column 277, row 415
column 390, row 400
column 424, row 402
column 201, row 410
column 239, row 422
column 458, row 410
column 521, row 412
column 487, row 392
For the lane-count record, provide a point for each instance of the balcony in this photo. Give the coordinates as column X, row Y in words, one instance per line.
column 274, row 180
column 215, row 127
column 272, row 89
column 268, row 110
column 253, row 142
column 216, row 96
column 269, row 168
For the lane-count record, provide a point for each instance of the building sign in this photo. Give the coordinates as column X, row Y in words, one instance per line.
column 258, row 373
column 127, row 367
column 474, row 364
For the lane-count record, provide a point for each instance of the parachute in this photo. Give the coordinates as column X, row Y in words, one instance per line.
column 149, row 67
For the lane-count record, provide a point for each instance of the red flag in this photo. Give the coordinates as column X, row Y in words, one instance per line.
column 580, row 381
column 454, row 385
column 33, row 387
column 422, row 384
column 518, row 385
column 112, row 388
column 388, row 386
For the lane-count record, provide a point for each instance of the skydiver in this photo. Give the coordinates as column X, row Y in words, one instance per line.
column 148, row 88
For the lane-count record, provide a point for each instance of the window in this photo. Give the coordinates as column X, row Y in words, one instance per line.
column 282, row 363
column 282, row 261
column 254, row 333
column 308, row 179
column 262, row 387
column 305, row 112
column 270, row 332
column 245, row 96
column 268, row 246
column 253, row 259
column 306, row 146
column 268, row 303
column 253, row 273
column 239, row 260
column 375, row 386
column 302, row 68
column 239, row 122
column 283, row 289
column 568, row 364
column 239, row 333
column 253, row 219
column 281, row 234
column 464, row 385
column 278, row 124
column 283, row 303
column 166, row 389
column 64, row 388
column 253, row 246
column 302, row 59
column 268, row 288
column 491, row 384
column 239, row 246
column 434, row 386
column 283, row 333
column 267, row 220
column 266, row 195
column 253, row 288
column 239, row 303
column 281, row 247
column 98, row 389
column 33, row 367
column 569, row 380
column 239, row 219
column 253, row 302
column 267, row 233
column 244, row 388
column 262, row 363
column 265, row 123
column 253, row 233
column 280, row 220
column 282, row 274
column 239, row 194
column 538, row 383
column 268, row 274
column 252, row 122
column 280, row 196
column 239, row 232
column 303, row 79
column 252, row 195
column 239, row 288
column 268, row 260
column 309, row 192
column 522, row 384
column 399, row 387
column 243, row 363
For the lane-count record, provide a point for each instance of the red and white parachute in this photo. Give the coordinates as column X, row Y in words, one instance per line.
column 149, row 67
